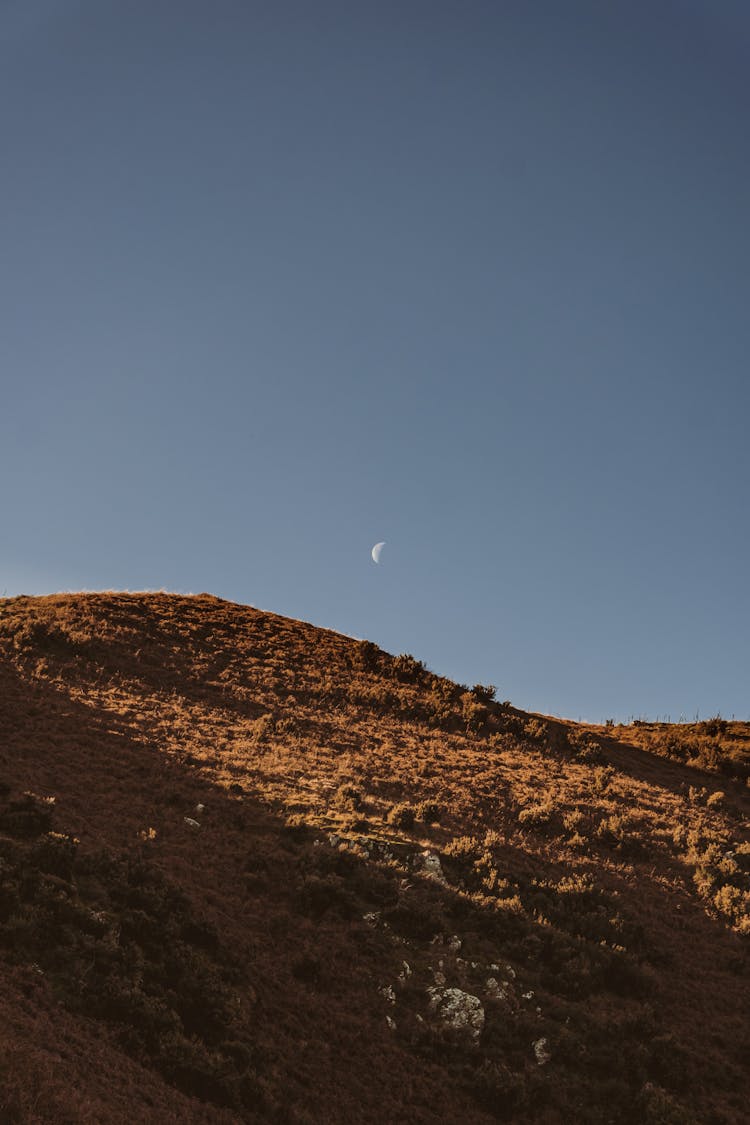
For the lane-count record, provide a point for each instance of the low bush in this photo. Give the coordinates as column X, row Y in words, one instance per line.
column 619, row 831
column 28, row 815
column 473, row 714
column 408, row 669
column 366, row 656
column 585, row 747
column 601, row 779
column 543, row 814
column 348, row 796
column 429, row 812
column 713, row 727
column 402, row 816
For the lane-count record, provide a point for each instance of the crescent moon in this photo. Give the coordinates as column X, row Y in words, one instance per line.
column 376, row 551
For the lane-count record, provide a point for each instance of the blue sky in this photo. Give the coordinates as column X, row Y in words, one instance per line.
column 279, row 280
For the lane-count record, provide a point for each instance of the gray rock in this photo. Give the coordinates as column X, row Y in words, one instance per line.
column 498, row 991
column 542, row 1051
column 458, row 1010
column 429, row 865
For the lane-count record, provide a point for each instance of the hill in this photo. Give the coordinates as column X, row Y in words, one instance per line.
column 253, row 870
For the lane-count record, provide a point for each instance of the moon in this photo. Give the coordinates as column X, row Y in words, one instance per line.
column 376, row 551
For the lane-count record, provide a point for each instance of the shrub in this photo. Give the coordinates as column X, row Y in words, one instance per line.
column 540, row 815
column 429, row 812
column 734, row 903
column 713, row 726
column 366, row 656
column 574, row 821
column 484, row 693
column 601, row 778
column 618, row 830
column 55, row 854
column 464, row 849
column 459, row 859
column 590, row 752
column 474, row 714
column 408, row 669
column 585, row 747
column 263, row 728
column 537, row 730
column 708, row 757
column 29, row 815
column 348, row 796
column 402, row 816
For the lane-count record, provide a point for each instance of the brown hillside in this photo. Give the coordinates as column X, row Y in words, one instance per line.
column 577, row 899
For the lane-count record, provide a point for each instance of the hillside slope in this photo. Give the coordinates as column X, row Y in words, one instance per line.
column 255, row 870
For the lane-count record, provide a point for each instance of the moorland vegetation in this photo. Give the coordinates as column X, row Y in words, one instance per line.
column 253, row 870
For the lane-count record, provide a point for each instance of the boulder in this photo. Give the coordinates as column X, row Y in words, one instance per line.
column 458, row 1010
column 428, row 864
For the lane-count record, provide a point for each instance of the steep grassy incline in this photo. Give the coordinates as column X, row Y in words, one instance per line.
column 255, row 870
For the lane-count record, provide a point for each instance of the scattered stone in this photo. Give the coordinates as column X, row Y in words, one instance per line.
column 429, row 865
column 199, row 809
column 528, row 995
column 498, row 991
column 439, row 977
column 388, row 993
column 458, row 1010
column 190, row 822
column 454, row 943
column 372, row 918
column 405, row 973
column 391, row 1023
column 542, row 1051
column 510, row 971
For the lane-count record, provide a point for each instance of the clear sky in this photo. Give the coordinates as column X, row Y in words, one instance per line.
column 282, row 279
